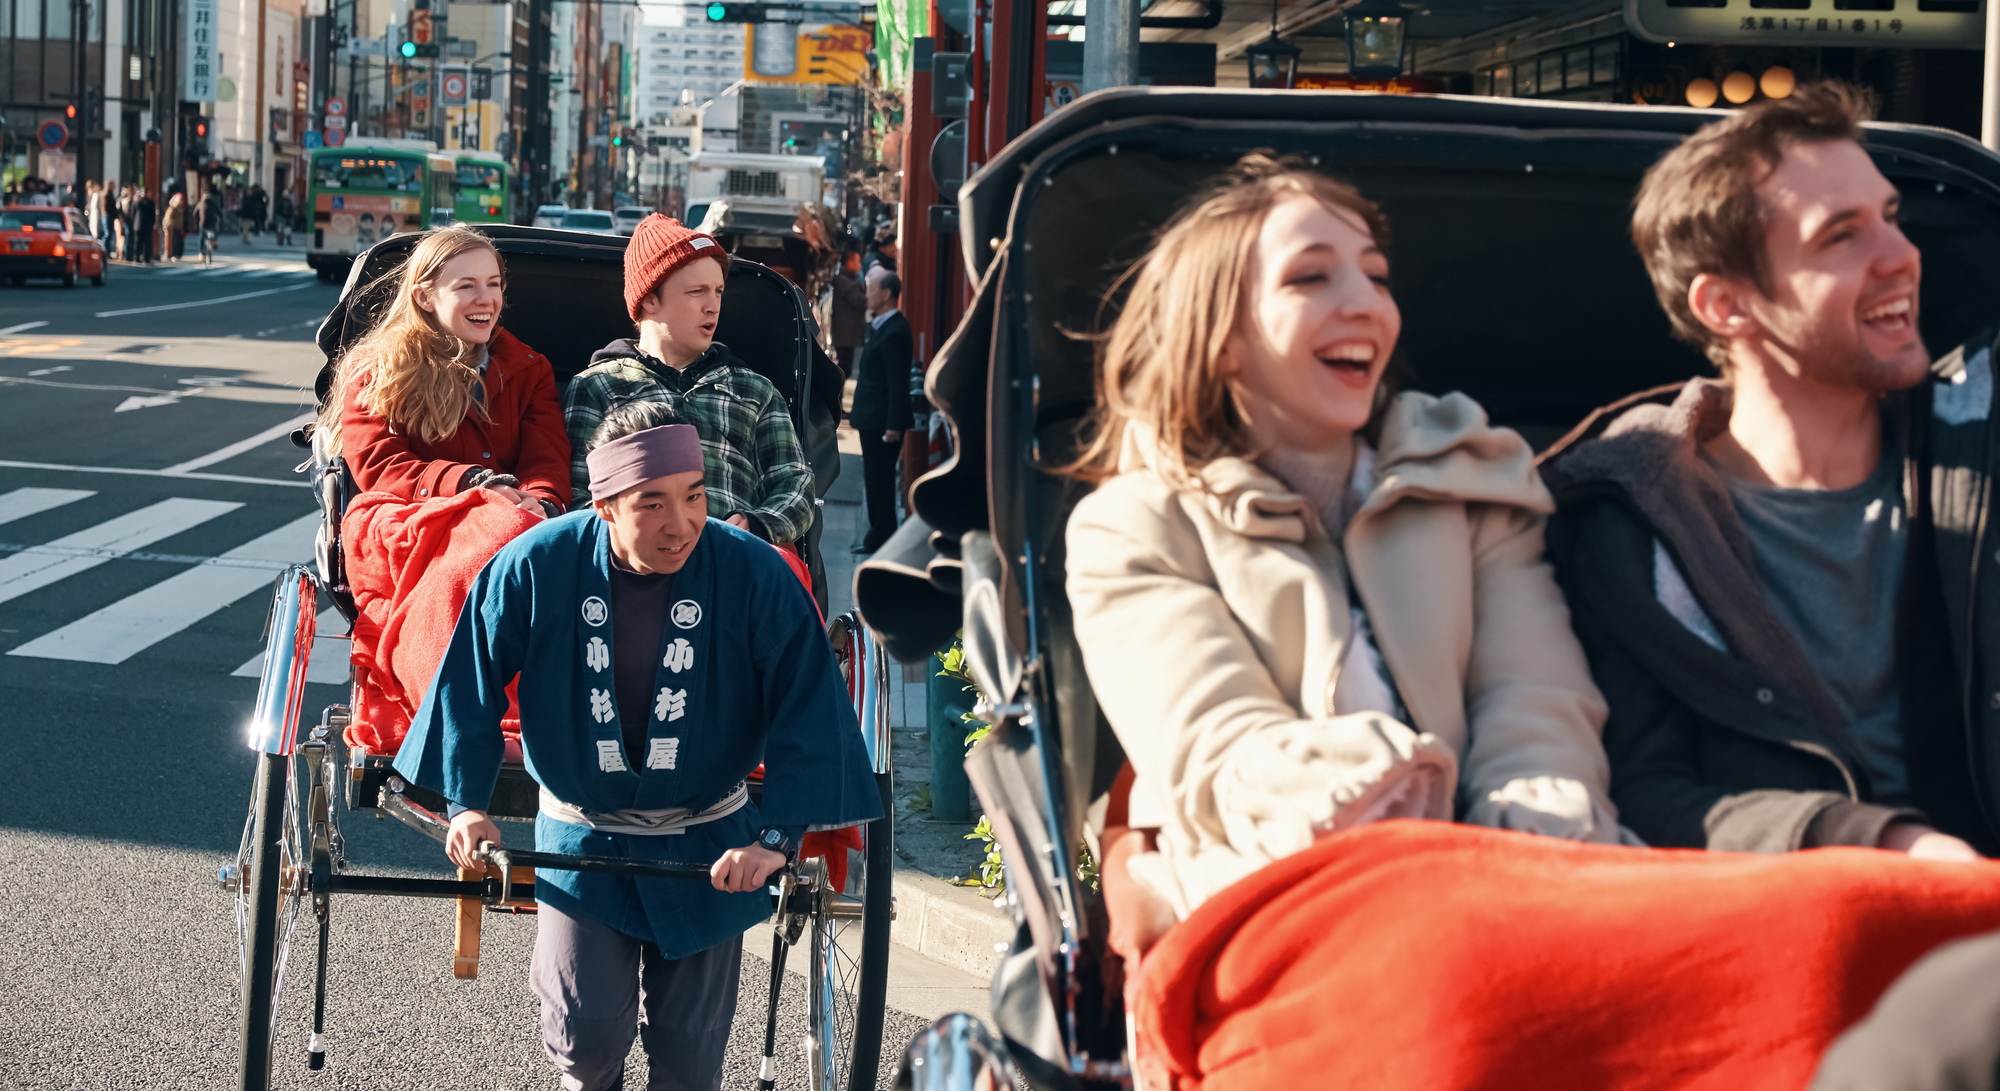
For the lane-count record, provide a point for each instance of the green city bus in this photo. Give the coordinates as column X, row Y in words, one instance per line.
column 482, row 188
column 367, row 190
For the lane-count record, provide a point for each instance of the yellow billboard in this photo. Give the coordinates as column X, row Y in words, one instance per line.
column 789, row 53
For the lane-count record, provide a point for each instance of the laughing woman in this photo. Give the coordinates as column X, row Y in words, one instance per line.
column 451, row 429
column 1351, row 616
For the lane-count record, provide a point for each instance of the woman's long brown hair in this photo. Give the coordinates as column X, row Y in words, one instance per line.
column 1159, row 368
column 419, row 378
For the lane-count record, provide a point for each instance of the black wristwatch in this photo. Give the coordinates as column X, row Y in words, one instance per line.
column 775, row 839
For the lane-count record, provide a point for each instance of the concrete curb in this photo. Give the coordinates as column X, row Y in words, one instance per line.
column 949, row 924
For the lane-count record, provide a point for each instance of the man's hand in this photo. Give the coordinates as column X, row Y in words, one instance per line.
column 467, row 831
column 893, row 435
column 744, row 869
column 1920, row 842
column 740, row 521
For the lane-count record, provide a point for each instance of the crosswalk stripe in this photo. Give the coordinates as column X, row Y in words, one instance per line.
column 177, row 271
column 268, row 273
column 32, row 569
column 329, row 654
column 221, row 272
column 303, row 273
column 137, row 622
column 22, row 503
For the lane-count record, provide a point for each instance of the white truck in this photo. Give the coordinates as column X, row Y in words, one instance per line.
column 750, row 203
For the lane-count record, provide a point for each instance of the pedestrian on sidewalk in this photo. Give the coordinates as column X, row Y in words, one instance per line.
column 146, row 216
column 882, row 402
column 176, row 227
column 849, row 309
column 255, row 206
column 210, row 222
column 282, row 212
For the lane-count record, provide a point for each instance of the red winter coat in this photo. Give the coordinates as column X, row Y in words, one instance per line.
column 526, row 437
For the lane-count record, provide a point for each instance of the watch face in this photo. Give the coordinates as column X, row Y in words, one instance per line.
column 774, row 838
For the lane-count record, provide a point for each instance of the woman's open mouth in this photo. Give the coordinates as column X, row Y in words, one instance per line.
column 1353, row 360
column 482, row 321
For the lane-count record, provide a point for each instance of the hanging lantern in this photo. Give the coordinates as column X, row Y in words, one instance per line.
column 1377, row 32
column 1274, row 63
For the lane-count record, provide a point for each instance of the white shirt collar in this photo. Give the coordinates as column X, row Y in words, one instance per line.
column 883, row 317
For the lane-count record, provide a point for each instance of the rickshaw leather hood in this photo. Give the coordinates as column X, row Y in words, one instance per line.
column 1226, row 707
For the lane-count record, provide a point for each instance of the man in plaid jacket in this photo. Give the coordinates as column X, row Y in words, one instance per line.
column 756, row 471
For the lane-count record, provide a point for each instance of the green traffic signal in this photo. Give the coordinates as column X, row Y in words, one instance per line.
column 409, row 49
column 716, row 13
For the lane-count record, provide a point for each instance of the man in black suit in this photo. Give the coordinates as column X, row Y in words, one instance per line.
column 882, row 402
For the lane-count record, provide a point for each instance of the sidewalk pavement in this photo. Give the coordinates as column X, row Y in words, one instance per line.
column 951, row 924
column 231, row 250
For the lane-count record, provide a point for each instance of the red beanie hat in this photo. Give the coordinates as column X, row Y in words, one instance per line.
column 659, row 246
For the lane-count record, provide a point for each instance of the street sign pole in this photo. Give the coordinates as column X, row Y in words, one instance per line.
column 441, row 34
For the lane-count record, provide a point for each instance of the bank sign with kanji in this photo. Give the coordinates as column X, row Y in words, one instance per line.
column 1887, row 24
column 201, row 65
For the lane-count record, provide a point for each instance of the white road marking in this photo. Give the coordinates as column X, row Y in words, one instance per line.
column 22, row 328
column 51, row 370
column 329, row 654
column 224, row 454
column 200, row 302
column 137, row 622
column 220, row 271
column 22, row 503
column 137, row 402
column 30, row 570
column 61, row 467
column 177, row 271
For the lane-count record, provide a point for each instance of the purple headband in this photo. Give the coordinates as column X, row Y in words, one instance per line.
column 642, row 456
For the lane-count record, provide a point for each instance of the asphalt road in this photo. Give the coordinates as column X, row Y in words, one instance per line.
column 127, row 671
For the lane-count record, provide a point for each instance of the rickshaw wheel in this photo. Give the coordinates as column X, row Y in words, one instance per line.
column 269, row 879
column 848, row 976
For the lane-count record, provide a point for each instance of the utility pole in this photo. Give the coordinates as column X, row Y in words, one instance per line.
column 441, row 34
column 262, row 118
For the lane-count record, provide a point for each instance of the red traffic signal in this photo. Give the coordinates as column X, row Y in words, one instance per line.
column 70, row 111
column 201, row 128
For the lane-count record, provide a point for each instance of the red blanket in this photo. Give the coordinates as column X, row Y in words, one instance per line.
column 410, row 566
column 1424, row 955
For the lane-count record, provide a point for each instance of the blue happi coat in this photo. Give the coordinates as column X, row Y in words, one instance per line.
column 745, row 676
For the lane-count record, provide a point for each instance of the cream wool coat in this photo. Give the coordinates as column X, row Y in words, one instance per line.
column 1214, row 625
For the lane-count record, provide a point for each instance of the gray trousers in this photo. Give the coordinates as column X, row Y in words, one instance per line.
column 598, row 985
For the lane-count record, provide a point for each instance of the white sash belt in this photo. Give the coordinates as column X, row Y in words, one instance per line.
column 650, row 823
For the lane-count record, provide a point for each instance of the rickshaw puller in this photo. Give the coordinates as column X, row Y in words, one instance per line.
column 665, row 655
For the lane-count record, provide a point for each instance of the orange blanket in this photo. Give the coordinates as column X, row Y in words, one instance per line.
column 410, row 567
column 1423, row 955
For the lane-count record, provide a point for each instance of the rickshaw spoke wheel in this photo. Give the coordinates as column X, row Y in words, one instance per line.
column 847, row 978
column 273, row 868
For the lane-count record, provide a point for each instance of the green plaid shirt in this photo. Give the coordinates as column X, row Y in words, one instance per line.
column 751, row 458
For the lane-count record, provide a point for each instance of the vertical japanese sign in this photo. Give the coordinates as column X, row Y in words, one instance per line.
column 199, row 60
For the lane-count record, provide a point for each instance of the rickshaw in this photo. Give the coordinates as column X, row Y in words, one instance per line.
column 1518, row 284
column 566, row 299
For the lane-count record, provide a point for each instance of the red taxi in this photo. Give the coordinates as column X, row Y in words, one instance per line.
column 43, row 241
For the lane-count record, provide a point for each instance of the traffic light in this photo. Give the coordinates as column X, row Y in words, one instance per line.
column 617, row 140
column 93, row 109
column 720, row 12
column 412, row 49
column 409, row 49
column 70, row 111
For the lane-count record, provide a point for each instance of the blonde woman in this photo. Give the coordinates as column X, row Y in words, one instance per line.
column 1347, row 610
column 450, row 427
column 438, row 398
